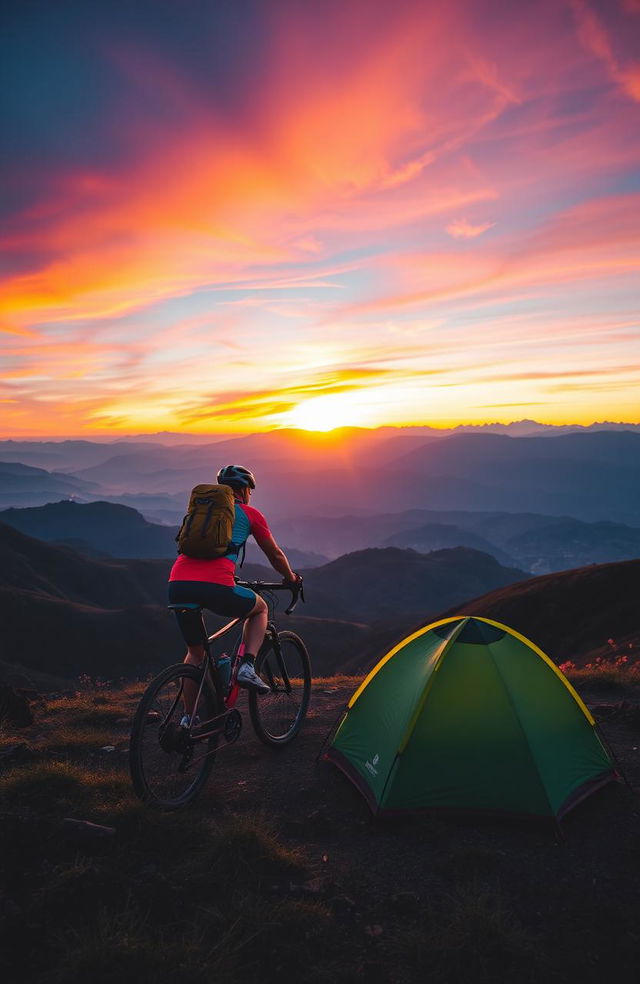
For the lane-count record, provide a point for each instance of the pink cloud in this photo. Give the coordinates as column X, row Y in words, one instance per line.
column 363, row 136
column 461, row 229
column 625, row 71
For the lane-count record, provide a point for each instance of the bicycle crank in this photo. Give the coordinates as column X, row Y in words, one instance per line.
column 232, row 727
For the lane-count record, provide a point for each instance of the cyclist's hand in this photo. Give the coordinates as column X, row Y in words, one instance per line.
column 295, row 583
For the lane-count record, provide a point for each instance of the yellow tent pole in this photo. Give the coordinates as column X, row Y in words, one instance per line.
column 536, row 649
column 385, row 659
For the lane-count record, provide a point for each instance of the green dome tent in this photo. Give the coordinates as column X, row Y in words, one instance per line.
column 467, row 714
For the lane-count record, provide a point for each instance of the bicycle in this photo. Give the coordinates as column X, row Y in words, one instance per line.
column 165, row 768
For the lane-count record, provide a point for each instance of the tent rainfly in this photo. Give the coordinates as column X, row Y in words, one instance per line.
column 467, row 714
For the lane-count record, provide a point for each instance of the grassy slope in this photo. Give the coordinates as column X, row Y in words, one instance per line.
column 279, row 873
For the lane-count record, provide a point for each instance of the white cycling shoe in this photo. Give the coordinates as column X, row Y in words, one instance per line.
column 249, row 679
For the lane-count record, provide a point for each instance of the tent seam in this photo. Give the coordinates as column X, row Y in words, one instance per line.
column 447, row 643
column 567, row 683
column 396, row 649
column 522, row 729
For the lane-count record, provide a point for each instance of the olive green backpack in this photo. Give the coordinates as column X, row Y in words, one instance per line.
column 207, row 528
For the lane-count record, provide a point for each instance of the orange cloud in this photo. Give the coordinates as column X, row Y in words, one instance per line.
column 233, row 240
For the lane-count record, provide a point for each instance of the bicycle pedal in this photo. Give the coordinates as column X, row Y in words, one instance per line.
column 232, row 727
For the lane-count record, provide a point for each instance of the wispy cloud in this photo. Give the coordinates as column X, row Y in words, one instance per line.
column 377, row 197
column 461, row 229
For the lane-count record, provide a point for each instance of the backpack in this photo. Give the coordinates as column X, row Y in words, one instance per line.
column 207, row 528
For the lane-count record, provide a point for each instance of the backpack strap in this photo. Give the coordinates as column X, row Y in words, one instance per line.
column 237, row 549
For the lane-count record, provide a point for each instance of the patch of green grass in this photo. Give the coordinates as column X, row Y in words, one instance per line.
column 60, row 788
column 244, row 853
column 151, row 833
column 159, row 932
column 474, row 938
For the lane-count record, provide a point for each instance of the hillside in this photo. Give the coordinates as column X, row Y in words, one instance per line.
column 64, row 614
column 115, row 530
column 376, row 584
column 572, row 614
column 532, row 541
column 27, row 486
column 40, row 568
column 105, row 526
column 441, row 536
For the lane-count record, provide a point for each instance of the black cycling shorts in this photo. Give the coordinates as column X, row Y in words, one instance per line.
column 232, row 602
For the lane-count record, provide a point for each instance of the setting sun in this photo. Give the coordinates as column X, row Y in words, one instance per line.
column 325, row 413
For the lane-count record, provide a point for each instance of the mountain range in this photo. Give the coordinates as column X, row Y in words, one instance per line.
column 64, row 614
column 591, row 475
column 530, row 541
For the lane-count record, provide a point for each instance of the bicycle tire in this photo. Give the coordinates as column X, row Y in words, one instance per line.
column 277, row 716
column 157, row 772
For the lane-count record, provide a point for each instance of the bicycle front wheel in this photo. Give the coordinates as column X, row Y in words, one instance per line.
column 277, row 716
column 169, row 765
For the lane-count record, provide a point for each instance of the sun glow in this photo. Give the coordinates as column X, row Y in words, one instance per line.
column 325, row 413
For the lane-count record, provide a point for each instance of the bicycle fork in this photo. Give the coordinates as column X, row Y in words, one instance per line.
column 271, row 639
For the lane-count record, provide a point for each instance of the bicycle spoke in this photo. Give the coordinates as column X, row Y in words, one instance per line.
column 278, row 715
column 168, row 763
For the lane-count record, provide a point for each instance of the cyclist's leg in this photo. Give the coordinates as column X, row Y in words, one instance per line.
column 255, row 627
column 226, row 600
column 193, row 631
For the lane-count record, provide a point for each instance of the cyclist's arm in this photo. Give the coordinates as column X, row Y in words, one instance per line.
column 276, row 557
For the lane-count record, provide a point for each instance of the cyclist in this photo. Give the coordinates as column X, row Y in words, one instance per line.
column 210, row 583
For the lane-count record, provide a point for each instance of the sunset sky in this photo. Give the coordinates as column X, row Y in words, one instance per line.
column 233, row 216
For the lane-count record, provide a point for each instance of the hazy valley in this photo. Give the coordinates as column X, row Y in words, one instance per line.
column 390, row 527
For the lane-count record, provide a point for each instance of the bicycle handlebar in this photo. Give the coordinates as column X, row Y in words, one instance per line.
column 297, row 589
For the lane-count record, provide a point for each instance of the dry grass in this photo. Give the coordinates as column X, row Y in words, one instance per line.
column 602, row 674
column 206, row 895
column 61, row 788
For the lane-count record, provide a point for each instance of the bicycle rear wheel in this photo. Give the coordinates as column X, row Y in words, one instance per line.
column 168, row 765
column 277, row 716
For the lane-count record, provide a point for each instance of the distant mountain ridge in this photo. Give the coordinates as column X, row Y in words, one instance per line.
column 37, row 486
column 107, row 527
column 114, row 530
column 591, row 476
column 65, row 614
column 532, row 542
column 383, row 583
column 572, row 614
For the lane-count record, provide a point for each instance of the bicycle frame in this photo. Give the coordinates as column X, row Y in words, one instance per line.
column 204, row 729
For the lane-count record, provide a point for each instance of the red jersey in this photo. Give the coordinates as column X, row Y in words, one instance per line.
column 248, row 522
